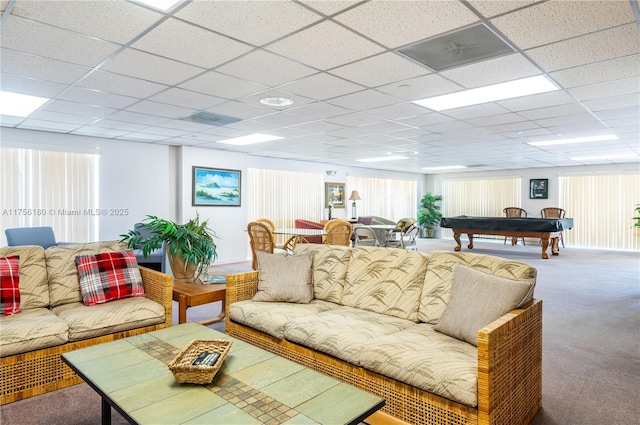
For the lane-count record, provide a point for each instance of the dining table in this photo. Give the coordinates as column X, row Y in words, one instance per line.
column 384, row 232
column 299, row 232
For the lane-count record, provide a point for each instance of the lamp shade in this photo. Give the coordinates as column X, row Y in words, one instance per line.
column 354, row 196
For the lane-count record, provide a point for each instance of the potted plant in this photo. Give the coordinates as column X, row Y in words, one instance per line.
column 190, row 246
column 429, row 214
column 637, row 218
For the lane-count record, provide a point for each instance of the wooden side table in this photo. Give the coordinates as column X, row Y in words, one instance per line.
column 194, row 294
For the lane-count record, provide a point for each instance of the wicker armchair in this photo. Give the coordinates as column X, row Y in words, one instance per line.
column 553, row 212
column 514, row 212
column 338, row 232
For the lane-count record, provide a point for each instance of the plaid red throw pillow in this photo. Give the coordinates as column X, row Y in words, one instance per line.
column 9, row 285
column 109, row 276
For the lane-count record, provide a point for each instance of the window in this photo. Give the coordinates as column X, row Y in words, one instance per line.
column 387, row 198
column 49, row 188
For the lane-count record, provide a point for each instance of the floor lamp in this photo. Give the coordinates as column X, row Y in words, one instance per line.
column 354, row 197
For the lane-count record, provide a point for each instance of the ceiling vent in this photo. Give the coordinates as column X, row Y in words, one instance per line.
column 463, row 47
column 211, row 119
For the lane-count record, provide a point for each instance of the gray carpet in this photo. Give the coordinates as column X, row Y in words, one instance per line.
column 591, row 334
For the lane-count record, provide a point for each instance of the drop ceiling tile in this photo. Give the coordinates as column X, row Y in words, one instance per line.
column 425, row 119
column 95, row 97
column 160, row 109
column 475, row 111
column 77, row 108
column 604, row 45
column 62, row 117
column 187, row 98
column 255, row 22
column 184, row 125
column 108, row 20
column 319, row 110
column 354, row 119
column 190, row 44
column 364, row 100
column 120, row 84
column 554, row 111
column 266, row 68
column 99, row 132
column 283, row 119
column 397, row 111
column 43, row 40
column 383, row 127
column 253, row 126
column 609, row 89
column 613, row 102
column 137, row 64
column 571, row 123
column 10, row 121
column 240, row 110
column 118, row 125
column 143, row 137
column 496, row 120
column 39, row 67
column 549, row 22
column 136, row 118
column 543, row 100
column 419, row 20
column 338, row 46
column 31, row 86
column 614, row 69
column 420, row 87
column 321, row 86
column 630, row 111
column 490, row 9
column 58, row 127
column 221, row 85
column 493, row 71
column 330, row 7
column 380, row 70
column 318, row 127
column 161, row 131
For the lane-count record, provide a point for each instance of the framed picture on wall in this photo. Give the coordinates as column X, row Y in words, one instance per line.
column 538, row 188
column 215, row 187
column 334, row 195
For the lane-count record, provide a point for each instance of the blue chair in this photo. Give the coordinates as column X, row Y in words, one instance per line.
column 155, row 259
column 42, row 236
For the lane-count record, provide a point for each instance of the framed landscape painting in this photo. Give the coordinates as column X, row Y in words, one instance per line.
column 334, row 195
column 215, row 187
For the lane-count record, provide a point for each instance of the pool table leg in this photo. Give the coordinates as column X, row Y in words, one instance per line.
column 456, row 236
column 545, row 245
column 555, row 248
column 470, row 236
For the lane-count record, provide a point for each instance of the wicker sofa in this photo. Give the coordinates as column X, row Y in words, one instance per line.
column 54, row 320
column 372, row 323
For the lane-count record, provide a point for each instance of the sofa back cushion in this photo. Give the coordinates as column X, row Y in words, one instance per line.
column 439, row 278
column 329, row 269
column 64, row 285
column 34, row 286
column 385, row 280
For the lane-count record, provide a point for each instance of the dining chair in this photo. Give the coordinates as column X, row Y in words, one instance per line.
column 514, row 212
column 155, row 259
column 364, row 236
column 409, row 237
column 396, row 236
column 554, row 212
column 261, row 239
column 338, row 232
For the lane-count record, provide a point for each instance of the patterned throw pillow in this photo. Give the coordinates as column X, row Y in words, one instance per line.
column 109, row 276
column 9, row 285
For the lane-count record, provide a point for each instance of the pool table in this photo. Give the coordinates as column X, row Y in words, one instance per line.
column 546, row 229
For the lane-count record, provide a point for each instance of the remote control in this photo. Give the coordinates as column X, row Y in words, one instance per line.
column 211, row 359
column 201, row 357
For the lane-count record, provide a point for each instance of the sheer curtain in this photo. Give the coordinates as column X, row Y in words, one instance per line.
column 388, row 198
column 283, row 196
column 602, row 207
column 480, row 198
column 50, row 188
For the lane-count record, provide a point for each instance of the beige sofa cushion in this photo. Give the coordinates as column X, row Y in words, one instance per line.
column 115, row 316
column 64, row 286
column 426, row 359
column 330, row 263
column 342, row 332
column 285, row 278
column 385, row 280
column 439, row 278
column 272, row 317
column 32, row 329
column 34, row 286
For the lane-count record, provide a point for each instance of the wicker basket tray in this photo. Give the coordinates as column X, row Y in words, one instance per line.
column 186, row 373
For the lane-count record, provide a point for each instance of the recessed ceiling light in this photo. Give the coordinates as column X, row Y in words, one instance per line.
column 276, row 101
column 163, row 5
column 19, row 105
column 492, row 93
column 574, row 140
column 250, row 139
column 605, row 157
column 382, row 158
column 444, row 167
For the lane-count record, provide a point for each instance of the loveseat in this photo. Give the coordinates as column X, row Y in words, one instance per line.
column 403, row 325
column 53, row 318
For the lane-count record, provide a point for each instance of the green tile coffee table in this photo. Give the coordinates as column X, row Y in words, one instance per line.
column 253, row 386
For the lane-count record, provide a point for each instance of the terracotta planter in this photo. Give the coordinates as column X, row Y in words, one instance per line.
column 179, row 273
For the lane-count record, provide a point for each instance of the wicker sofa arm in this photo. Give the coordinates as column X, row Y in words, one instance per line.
column 241, row 287
column 158, row 287
column 510, row 367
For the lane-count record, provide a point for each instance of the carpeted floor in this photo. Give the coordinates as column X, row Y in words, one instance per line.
column 591, row 334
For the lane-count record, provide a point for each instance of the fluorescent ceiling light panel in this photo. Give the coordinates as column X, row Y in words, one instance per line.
column 19, row 105
column 250, row 139
column 382, row 158
column 605, row 157
column 445, row 167
column 492, row 93
column 574, row 140
column 163, row 5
